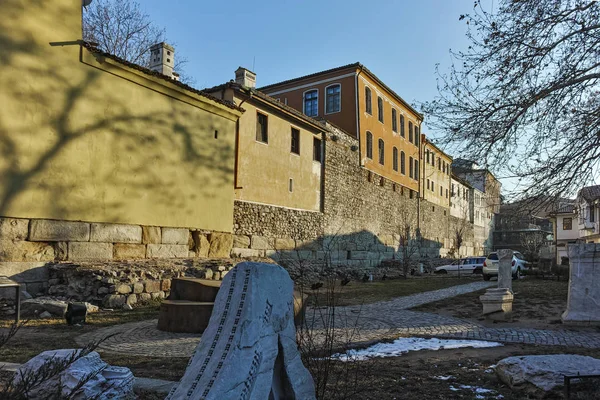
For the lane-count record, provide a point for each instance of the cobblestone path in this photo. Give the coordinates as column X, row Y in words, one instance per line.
column 353, row 324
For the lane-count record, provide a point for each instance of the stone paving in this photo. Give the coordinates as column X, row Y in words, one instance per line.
column 353, row 325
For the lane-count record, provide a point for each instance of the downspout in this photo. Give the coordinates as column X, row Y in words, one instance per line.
column 237, row 146
column 358, row 116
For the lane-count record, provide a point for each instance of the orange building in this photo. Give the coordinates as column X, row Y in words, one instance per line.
column 353, row 98
column 436, row 174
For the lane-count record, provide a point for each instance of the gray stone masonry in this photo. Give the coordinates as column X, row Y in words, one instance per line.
column 79, row 251
column 175, row 236
column 51, row 230
column 505, row 257
column 167, row 250
column 115, row 233
column 14, row 228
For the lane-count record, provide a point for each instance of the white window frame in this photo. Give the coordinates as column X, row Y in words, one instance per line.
column 325, row 102
column 304, row 102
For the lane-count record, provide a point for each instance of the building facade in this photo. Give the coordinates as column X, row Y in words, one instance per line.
column 353, row 98
column 436, row 178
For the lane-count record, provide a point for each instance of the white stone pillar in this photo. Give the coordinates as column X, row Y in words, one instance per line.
column 505, row 269
column 583, row 304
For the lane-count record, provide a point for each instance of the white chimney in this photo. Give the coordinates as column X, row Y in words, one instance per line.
column 162, row 59
column 245, row 77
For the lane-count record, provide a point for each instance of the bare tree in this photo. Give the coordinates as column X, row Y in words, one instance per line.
column 122, row 28
column 410, row 241
column 525, row 97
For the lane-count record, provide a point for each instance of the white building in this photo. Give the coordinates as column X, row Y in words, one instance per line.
column 565, row 230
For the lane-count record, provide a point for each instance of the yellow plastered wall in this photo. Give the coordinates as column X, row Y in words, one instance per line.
column 265, row 169
column 85, row 138
column 434, row 174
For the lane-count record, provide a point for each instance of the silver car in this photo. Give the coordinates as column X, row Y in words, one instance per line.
column 490, row 265
column 467, row 265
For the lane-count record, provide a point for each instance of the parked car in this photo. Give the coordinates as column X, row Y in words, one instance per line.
column 490, row 266
column 467, row 265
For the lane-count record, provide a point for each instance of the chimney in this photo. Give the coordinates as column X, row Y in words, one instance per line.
column 245, row 77
column 162, row 59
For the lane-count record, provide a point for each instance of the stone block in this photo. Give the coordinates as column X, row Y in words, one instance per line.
column 241, row 241
column 14, row 228
column 90, row 251
column 584, row 285
column 203, row 246
column 158, row 295
column 151, row 235
column 23, row 272
column 123, row 288
column 143, row 297
column 152, row 286
column 61, row 251
column 20, row 250
column 114, row 301
column 262, row 243
column 244, row 253
column 131, row 299
column 115, row 233
column 312, row 244
column 387, row 240
column 359, row 255
column 165, row 285
column 285, row 244
column 126, row 251
column 175, row 236
column 138, row 287
column 220, row 244
column 55, row 231
column 497, row 300
column 167, row 251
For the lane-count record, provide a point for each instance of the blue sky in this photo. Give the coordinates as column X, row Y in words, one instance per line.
column 399, row 41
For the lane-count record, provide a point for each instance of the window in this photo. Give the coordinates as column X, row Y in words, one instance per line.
column 332, row 99
column 433, row 158
column 592, row 214
column 368, row 103
column 410, row 167
column 295, row 141
column 380, row 108
column 567, row 224
column 394, row 120
column 402, row 163
column 439, row 163
column 417, row 138
column 410, row 131
column 417, row 169
column 262, row 132
column 427, row 184
column 395, row 159
column 381, row 146
column 432, row 187
column 427, row 156
column 317, row 149
column 311, row 103
column 402, row 126
column 369, row 145
column 441, row 191
column 291, row 186
column 446, row 193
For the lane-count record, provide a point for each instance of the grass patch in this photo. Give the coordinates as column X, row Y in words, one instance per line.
column 357, row 293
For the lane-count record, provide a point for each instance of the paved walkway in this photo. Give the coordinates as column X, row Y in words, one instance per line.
column 352, row 324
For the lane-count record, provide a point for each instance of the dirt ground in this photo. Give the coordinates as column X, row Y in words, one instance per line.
column 416, row 375
column 538, row 304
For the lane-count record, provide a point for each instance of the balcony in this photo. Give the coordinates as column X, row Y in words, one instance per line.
column 585, row 225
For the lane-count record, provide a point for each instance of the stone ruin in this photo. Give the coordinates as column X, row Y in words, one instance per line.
column 584, row 285
column 497, row 302
column 248, row 350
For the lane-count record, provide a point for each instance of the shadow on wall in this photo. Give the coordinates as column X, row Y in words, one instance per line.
column 354, row 254
column 92, row 143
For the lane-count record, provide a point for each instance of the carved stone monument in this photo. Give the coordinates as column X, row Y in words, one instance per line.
column 584, row 285
column 249, row 351
column 497, row 302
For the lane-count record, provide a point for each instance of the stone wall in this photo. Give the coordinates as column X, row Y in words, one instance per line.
column 27, row 245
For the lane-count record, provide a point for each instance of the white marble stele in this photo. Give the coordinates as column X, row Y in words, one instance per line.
column 249, row 349
column 583, row 304
column 500, row 300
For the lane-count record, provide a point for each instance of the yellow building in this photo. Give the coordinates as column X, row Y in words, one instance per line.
column 436, row 185
column 355, row 99
column 279, row 151
column 85, row 136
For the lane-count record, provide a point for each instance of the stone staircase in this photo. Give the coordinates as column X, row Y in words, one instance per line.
column 189, row 305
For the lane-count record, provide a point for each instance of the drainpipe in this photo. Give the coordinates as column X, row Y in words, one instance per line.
column 237, row 145
column 358, row 116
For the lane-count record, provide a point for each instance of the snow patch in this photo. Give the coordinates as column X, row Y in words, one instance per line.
column 404, row 345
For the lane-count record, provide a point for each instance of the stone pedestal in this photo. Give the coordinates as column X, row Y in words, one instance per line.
column 497, row 301
column 584, row 285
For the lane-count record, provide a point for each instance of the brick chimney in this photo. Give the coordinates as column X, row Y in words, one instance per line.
column 245, row 77
column 162, row 59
